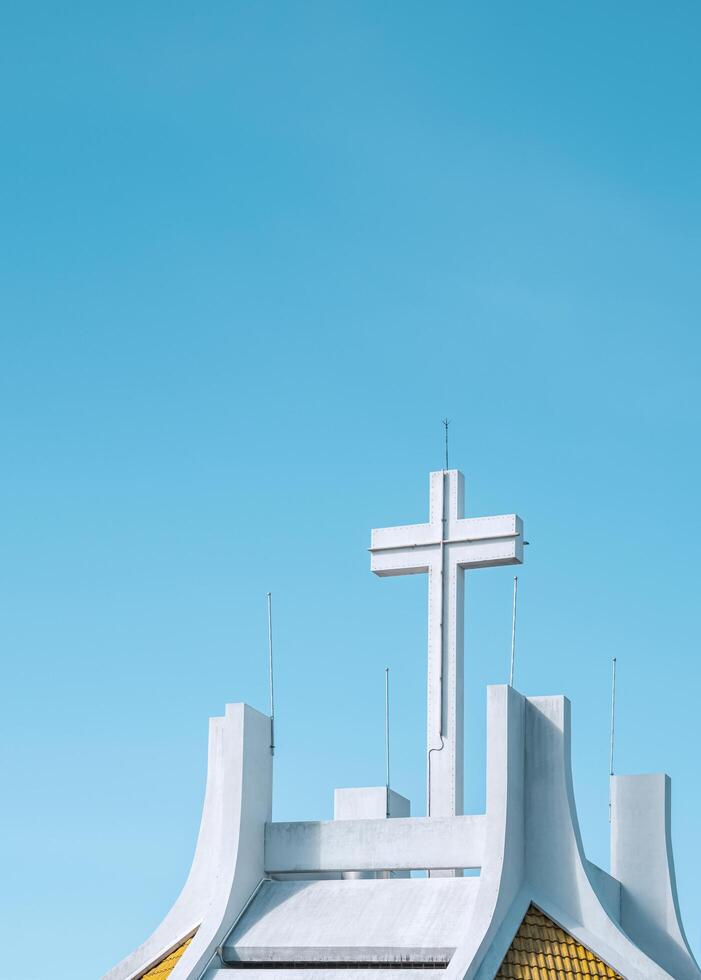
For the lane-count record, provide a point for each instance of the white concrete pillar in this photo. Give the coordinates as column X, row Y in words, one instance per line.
column 370, row 803
column 641, row 859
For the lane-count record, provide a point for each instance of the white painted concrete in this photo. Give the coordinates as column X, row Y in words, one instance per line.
column 368, row 802
column 642, row 860
column 391, row 920
column 551, row 870
column 247, row 772
column 339, row 974
column 559, row 876
column 503, row 864
column 375, row 845
column 528, row 846
column 228, row 862
column 444, row 548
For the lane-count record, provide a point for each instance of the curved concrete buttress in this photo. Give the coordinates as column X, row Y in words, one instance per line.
column 642, row 860
column 534, row 850
column 502, row 871
column 229, row 856
column 560, row 880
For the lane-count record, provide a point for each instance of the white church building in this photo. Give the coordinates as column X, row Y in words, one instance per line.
column 332, row 900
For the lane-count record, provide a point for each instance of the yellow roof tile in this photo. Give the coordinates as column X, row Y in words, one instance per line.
column 163, row 969
column 542, row 950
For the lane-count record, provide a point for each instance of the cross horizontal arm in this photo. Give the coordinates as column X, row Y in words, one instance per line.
column 402, row 536
column 474, row 542
column 499, row 543
column 403, row 561
column 485, row 528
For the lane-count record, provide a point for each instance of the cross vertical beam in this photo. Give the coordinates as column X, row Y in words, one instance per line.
column 443, row 548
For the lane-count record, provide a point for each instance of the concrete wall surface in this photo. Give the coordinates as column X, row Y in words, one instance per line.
column 391, row 920
column 368, row 802
column 375, row 845
column 527, row 846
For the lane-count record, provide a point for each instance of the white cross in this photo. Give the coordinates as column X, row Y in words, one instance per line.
column 444, row 548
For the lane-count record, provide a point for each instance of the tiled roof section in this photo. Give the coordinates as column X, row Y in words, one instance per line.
column 162, row 970
column 542, row 950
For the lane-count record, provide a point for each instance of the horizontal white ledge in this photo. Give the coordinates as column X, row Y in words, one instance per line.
column 342, row 973
column 395, row 844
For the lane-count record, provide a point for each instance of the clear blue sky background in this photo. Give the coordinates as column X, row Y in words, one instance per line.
column 251, row 255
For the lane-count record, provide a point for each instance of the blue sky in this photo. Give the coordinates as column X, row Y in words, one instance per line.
column 252, row 254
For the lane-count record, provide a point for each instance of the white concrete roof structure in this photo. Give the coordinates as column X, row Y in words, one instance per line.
column 346, row 921
column 332, row 900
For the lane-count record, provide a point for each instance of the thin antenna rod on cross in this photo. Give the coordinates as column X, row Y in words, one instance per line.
column 613, row 727
column 387, row 737
column 270, row 673
column 446, row 423
column 513, row 633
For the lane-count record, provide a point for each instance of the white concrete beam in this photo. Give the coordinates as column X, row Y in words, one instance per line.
column 402, row 843
column 343, row 973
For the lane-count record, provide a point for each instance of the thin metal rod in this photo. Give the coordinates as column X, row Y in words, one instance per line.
column 513, row 634
column 613, row 727
column 446, row 423
column 270, row 673
column 387, row 735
